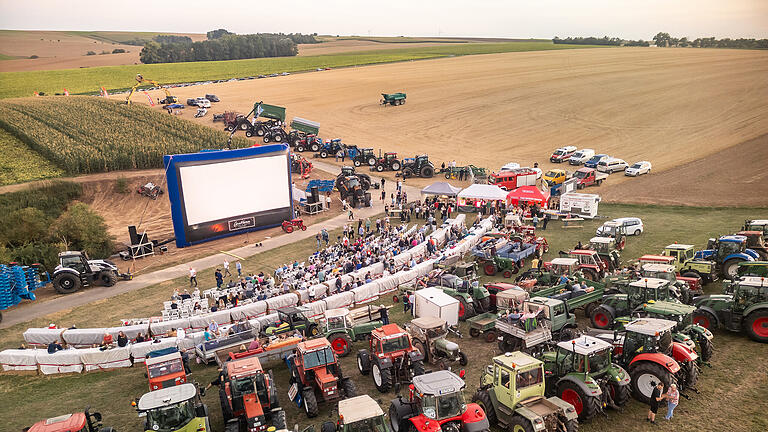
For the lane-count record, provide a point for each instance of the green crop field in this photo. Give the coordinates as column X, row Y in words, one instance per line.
column 89, row 80
column 88, row 134
column 734, row 391
column 18, row 163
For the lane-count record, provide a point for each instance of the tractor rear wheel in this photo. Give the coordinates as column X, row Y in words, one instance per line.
column 474, row 332
column 482, row 398
column 419, row 345
column 226, row 410
column 288, row 229
column 507, row 274
column 589, row 274
column 417, row 368
column 490, row 336
column 484, row 304
column 757, row 325
column 619, row 393
column 602, row 318
column 645, row 376
column 310, row 403
column 278, row 420
column 341, row 344
column 348, row 387
column 465, row 310
column 363, row 362
column 66, row 283
column 586, row 406
column 108, row 278
column 572, row 426
column 730, row 268
column 463, row 359
column 407, row 172
column 490, row 269
column 519, row 423
column 327, row 427
column 382, row 378
column 371, row 161
column 395, row 166
column 704, row 319
column 427, row 171
column 314, row 147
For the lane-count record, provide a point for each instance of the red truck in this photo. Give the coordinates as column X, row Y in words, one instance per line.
column 513, row 179
column 588, row 177
column 165, row 368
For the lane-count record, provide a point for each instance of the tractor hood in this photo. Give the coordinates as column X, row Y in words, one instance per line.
column 253, row 407
column 102, row 265
column 712, row 300
column 446, row 345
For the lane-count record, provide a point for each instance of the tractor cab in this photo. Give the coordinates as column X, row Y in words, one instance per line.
column 360, row 414
column 389, row 156
column 75, row 260
column 602, row 245
column 293, row 318
column 77, row 422
column 177, row 408
column 648, row 289
column 563, row 267
column 316, row 361
column 511, row 299
column 613, row 229
column 644, row 335
column 251, row 393
column 337, row 320
column 685, row 263
column 165, row 368
column 659, row 271
column 516, row 377
column 390, row 340
column 608, row 250
column 757, row 225
column 727, row 252
column 590, row 264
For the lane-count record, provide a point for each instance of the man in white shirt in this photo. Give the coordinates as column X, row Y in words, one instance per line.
column 226, row 268
column 192, row 277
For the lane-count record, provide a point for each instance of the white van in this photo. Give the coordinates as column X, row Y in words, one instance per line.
column 611, row 165
column 581, row 156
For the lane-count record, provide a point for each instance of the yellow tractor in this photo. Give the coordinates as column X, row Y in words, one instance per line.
column 169, row 99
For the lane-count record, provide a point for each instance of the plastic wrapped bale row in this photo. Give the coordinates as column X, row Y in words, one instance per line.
column 366, row 293
column 388, row 283
column 190, row 340
column 282, row 302
column 130, row 331
column 340, row 300
column 249, row 311
column 199, row 322
column 65, row 361
column 159, row 328
column 96, row 359
column 316, row 309
column 139, row 350
column 42, row 336
column 19, row 360
column 84, row 337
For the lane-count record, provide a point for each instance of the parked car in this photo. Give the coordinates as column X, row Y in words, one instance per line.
column 202, row 102
column 510, row 166
column 192, row 102
column 285, row 74
column 562, row 154
column 581, row 156
column 594, row 160
column 638, row 168
column 611, row 165
column 632, row 225
column 212, row 98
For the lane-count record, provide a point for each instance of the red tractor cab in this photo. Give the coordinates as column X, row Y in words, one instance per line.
column 249, row 397
column 316, row 374
column 498, row 287
column 294, row 224
column 165, row 368
column 589, row 263
column 392, row 358
column 77, row 422
column 436, row 403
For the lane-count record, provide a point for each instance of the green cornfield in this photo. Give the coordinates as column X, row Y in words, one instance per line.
column 18, row 163
column 83, row 134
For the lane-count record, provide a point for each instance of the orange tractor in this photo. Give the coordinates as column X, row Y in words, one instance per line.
column 248, row 396
column 392, row 358
column 294, row 224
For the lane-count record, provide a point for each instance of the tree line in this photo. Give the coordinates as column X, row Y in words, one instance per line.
column 222, row 45
column 605, row 40
column 665, row 40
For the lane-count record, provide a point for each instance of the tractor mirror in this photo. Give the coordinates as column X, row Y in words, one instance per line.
column 462, row 373
column 96, row 416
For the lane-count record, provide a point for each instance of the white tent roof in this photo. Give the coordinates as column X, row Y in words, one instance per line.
column 441, row 188
column 484, row 191
column 298, row 194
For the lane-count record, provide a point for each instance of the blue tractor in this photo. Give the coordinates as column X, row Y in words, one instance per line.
column 330, row 148
column 727, row 252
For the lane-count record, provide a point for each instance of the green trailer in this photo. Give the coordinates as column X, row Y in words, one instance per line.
column 303, row 125
column 393, row 98
column 270, row 111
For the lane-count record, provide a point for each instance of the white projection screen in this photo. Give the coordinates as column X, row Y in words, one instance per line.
column 229, row 189
column 214, row 194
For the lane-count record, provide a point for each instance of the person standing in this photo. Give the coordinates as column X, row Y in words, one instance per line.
column 535, row 221
column 350, row 216
column 544, row 221
column 239, row 268
column 318, row 237
column 219, row 278
column 383, row 194
column 382, row 182
column 226, row 268
column 656, row 397
column 324, row 233
column 673, row 398
column 192, row 277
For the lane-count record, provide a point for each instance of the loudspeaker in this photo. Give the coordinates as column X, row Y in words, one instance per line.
column 315, row 193
column 133, row 235
column 367, row 199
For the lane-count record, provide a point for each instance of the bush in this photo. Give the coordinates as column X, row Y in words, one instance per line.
column 80, row 228
column 118, row 51
column 34, row 56
column 121, row 185
column 25, row 225
column 90, row 53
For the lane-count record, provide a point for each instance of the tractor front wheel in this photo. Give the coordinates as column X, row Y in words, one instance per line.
column 586, row 406
column 490, row 269
column 417, row 368
column 704, row 319
column 602, row 318
column 757, row 325
column 706, row 348
column 310, row 403
column 645, row 376
column 382, row 378
column 278, row 420
column 465, row 310
column 474, row 332
column 463, row 359
column 341, row 344
column 380, row 168
column 66, row 283
column 348, row 388
column 619, row 393
column 483, row 398
column 108, row 279
column 327, row 427
column 519, row 423
column 490, row 336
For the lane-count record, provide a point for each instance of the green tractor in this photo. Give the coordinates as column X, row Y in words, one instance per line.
column 608, row 249
column 550, row 274
column 512, row 395
column 630, row 297
column 580, row 372
column 746, row 308
column 752, row 268
column 341, row 331
column 358, row 414
column 429, row 335
column 694, row 336
column 174, row 409
column 473, row 298
column 687, row 265
column 292, row 319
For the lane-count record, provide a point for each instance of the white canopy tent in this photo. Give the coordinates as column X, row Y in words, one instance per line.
column 483, row 192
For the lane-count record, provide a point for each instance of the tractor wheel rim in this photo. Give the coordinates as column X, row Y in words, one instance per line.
column 701, row 320
column 462, row 311
column 376, row 375
column 339, row 345
column 645, row 383
column 359, row 365
column 518, row 428
column 760, row 326
column 572, row 398
column 601, row 320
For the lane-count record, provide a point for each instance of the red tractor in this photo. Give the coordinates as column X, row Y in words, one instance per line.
column 165, row 368
column 590, row 264
column 80, row 422
column 646, row 349
column 387, row 162
column 309, row 142
column 436, row 403
column 392, row 358
column 149, row 190
column 248, row 396
column 316, row 373
column 294, row 224
column 300, row 165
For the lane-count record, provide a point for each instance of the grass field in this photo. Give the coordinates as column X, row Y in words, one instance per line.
column 18, row 163
column 88, row 134
column 89, row 80
column 734, row 393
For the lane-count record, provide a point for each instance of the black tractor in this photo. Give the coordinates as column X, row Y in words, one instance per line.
column 388, row 162
column 420, row 166
column 259, row 128
column 364, row 156
column 274, row 134
column 348, row 171
column 75, row 271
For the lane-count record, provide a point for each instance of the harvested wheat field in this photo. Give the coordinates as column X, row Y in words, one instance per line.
column 346, row 45
column 668, row 106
